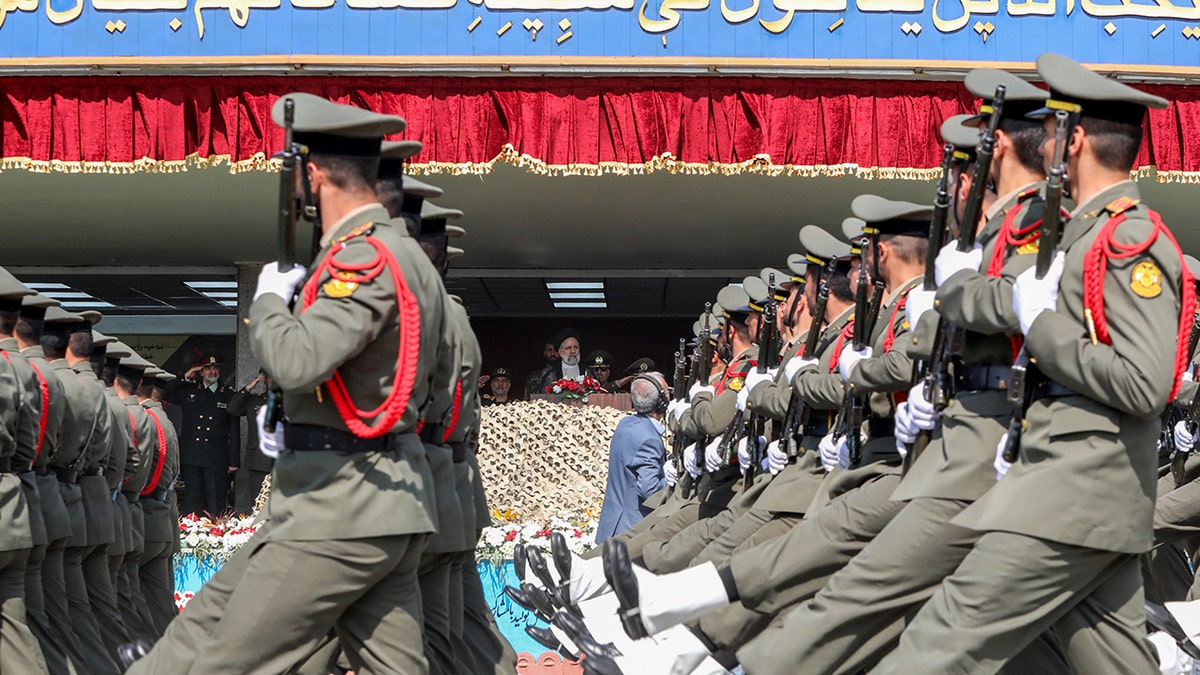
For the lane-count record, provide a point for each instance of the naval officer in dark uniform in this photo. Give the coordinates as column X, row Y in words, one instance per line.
column 208, row 450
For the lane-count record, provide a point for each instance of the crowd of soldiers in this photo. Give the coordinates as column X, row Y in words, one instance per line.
column 88, row 519
column 910, row 454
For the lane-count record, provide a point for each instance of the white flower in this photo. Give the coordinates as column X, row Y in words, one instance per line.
column 493, row 536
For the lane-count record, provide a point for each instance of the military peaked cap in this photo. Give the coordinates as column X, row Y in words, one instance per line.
column 335, row 129
column 1020, row 97
column 963, row 138
column 853, row 232
column 887, row 216
column 733, row 300
column 1074, row 88
column 798, row 266
column 392, row 155
column 780, row 280
column 117, row 350
column 598, row 358
column 820, row 246
column 101, row 340
column 58, row 315
column 38, row 301
column 11, row 287
column 640, row 366
column 756, row 291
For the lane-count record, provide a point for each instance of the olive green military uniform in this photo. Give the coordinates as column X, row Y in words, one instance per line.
column 86, row 429
column 863, row 608
column 130, row 597
column 27, row 453
column 328, row 509
column 1078, row 571
column 19, row 649
column 474, row 626
column 154, row 571
column 46, row 563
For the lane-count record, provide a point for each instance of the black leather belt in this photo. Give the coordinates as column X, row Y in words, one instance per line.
column 307, row 438
column 157, row 495
column 92, row 472
column 1051, row 389
column 433, row 434
column 65, row 475
column 460, row 452
column 981, row 378
column 816, row 428
column 881, row 427
column 6, row 465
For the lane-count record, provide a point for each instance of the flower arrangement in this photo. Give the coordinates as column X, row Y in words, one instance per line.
column 576, row 387
column 214, row 541
column 498, row 542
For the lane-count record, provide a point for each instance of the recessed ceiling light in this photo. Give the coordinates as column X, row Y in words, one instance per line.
column 221, row 295
column 63, row 295
column 577, row 296
column 575, row 285
column 86, row 304
column 581, row 305
column 211, row 284
column 41, row 286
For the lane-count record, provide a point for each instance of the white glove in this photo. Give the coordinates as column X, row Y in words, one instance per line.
column 270, row 444
column 1189, row 375
column 1002, row 465
column 753, row 378
column 742, row 397
column 850, row 358
column 670, row 473
column 697, row 388
column 1184, row 439
column 1032, row 296
column 743, row 453
column 906, row 431
column 712, row 456
column 924, row 416
column 919, row 301
column 689, row 460
column 950, row 261
column 795, row 365
column 677, row 408
column 777, row 459
column 829, row 452
column 843, row 452
column 272, row 280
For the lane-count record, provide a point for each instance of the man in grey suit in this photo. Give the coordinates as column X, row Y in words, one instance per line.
column 636, row 458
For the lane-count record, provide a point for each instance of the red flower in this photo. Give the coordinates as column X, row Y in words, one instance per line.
column 216, row 532
column 543, row 533
column 550, row 389
column 512, row 534
column 578, row 533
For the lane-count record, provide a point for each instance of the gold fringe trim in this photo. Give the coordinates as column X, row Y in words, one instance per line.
column 758, row 165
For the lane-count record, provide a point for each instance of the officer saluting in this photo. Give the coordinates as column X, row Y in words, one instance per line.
column 207, row 440
column 351, row 506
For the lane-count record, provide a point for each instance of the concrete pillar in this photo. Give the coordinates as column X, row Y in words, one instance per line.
column 247, row 278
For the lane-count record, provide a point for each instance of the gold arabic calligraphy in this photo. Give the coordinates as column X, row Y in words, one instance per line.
column 948, row 15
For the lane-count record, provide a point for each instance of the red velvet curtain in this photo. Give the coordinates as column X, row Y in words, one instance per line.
column 885, row 128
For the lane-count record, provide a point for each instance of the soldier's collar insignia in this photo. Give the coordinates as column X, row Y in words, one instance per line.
column 1120, row 205
column 361, row 231
column 1146, row 279
column 336, row 288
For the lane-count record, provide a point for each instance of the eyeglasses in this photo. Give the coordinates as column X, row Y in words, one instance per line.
column 606, row 368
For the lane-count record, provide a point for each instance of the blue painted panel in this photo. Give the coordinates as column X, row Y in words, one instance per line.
column 949, row 30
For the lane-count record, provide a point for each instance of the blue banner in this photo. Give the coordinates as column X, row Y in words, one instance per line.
column 854, row 34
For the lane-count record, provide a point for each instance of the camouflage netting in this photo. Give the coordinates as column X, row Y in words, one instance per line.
column 544, row 459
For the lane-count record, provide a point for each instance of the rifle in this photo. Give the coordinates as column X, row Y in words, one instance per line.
column 680, row 384
column 1191, row 417
column 701, row 372
column 930, row 371
column 768, row 356
column 852, row 405
column 286, row 240
column 1019, row 388
column 798, row 410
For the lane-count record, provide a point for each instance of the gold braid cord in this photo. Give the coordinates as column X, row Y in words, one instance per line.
column 758, row 165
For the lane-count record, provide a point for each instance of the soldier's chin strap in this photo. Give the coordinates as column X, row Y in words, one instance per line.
column 309, row 208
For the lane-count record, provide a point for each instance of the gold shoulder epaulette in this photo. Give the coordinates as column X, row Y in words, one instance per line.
column 361, row 231
column 1120, row 205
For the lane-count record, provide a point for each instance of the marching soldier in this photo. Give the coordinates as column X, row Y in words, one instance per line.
column 87, row 427
column 155, row 579
column 351, row 508
column 1105, row 332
